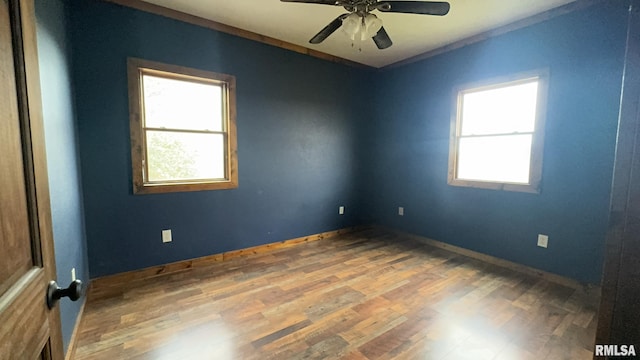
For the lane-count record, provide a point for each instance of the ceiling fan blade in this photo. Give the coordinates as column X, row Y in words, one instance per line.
column 328, row 30
column 415, row 7
column 323, row 2
column 382, row 39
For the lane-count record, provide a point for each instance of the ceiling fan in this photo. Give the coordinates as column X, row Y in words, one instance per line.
column 360, row 24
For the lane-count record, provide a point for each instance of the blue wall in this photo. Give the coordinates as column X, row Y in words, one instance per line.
column 62, row 152
column 296, row 142
column 409, row 145
column 310, row 139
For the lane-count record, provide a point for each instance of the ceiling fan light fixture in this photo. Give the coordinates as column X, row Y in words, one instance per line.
column 351, row 26
column 372, row 25
column 361, row 28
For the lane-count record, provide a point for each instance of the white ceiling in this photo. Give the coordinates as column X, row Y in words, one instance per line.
column 411, row 34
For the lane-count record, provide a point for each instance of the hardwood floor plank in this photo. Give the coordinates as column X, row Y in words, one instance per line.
column 258, row 343
column 393, row 338
column 371, row 294
column 337, row 323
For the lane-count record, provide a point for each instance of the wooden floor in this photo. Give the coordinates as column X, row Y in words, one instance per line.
column 366, row 295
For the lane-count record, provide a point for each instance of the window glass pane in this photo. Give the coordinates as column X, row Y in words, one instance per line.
column 185, row 156
column 503, row 110
column 495, row 158
column 181, row 104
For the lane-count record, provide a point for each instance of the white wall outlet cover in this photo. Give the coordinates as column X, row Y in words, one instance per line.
column 543, row 240
column 73, row 274
column 341, row 210
column 166, row 236
column 401, row 211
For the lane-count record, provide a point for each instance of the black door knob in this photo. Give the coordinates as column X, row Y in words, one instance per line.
column 55, row 293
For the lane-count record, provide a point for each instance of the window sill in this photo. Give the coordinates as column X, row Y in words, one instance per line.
column 527, row 188
column 139, row 189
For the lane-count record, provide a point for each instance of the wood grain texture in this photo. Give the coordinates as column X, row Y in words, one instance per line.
column 23, row 315
column 38, row 178
column 14, row 217
column 364, row 295
column 104, row 285
column 29, row 328
column 138, row 67
column 73, row 342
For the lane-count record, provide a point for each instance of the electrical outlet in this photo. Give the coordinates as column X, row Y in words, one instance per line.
column 543, row 240
column 73, row 274
column 341, row 210
column 166, row 236
column 401, row 211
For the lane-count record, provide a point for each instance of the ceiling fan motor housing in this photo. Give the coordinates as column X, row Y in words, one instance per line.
column 363, row 7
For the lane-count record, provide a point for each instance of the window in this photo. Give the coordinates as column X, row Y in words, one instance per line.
column 497, row 133
column 183, row 131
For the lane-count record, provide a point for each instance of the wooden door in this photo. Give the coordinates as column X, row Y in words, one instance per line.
column 28, row 328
